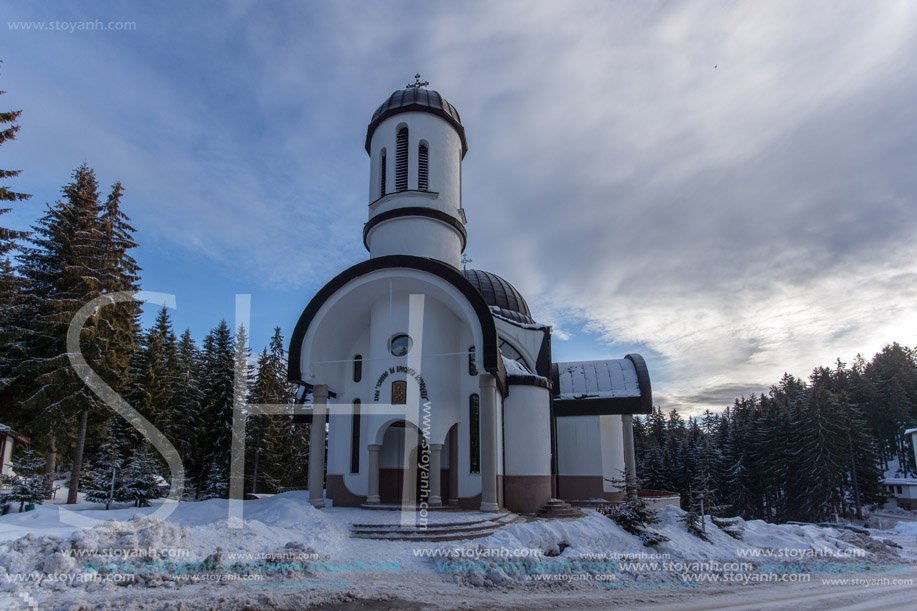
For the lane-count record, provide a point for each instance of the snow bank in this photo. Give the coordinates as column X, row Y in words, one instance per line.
column 520, row 556
column 568, row 553
column 908, row 529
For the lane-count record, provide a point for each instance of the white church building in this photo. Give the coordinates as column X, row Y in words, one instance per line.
column 436, row 383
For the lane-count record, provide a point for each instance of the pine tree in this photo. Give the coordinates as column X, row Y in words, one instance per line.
column 141, row 481
column 29, row 484
column 241, row 383
column 822, row 451
column 121, row 273
column 10, row 283
column 8, row 237
column 103, row 482
column 257, row 427
column 69, row 262
column 154, row 376
column 741, row 492
column 217, row 382
column 273, row 442
column 187, row 402
column 695, row 524
column 61, row 268
column 634, row 516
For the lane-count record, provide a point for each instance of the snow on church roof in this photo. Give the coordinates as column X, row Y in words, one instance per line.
column 515, row 368
column 608, row 379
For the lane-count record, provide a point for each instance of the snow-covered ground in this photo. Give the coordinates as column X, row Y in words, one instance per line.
column 288, row 554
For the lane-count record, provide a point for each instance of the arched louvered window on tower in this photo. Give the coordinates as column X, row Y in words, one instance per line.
column 401, row 160
column 422, row 167
column 382, row 170
column 472, row 368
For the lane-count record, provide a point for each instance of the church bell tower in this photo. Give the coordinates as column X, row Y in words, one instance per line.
column 416, row 144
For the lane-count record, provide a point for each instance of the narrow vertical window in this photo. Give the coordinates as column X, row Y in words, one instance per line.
column 399, row 392
column 355, row 438
column 474, row 426
column 422, row 165
column 401, row 160
column 357, row 367
column 472, row 369
column 382, row 170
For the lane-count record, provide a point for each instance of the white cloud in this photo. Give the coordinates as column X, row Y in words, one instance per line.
column 729, row 186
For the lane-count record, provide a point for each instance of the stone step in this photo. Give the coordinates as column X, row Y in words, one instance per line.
column 491, row 518
column 397, row 507
column 451, row 527
column 457, row 532
column 428, row 539
column 431, row 529
column 555, row 508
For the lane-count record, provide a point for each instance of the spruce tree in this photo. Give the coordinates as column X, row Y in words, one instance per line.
column 103, row 482
column 187, row 402
column 217, row 384
column 68, row 262
column 274, row 442
column 61, row 266
column 29, row 484
column 141, row 481
column 154, row 376
column 241, row 381
column 121, row 273
column 8, row 237
column 10, row 283
column 257, row 427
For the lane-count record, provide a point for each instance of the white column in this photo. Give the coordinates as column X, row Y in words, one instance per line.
column 630, row 464
column 436, row 499
column 317, row 445
column 373, row 497
column 488, row 386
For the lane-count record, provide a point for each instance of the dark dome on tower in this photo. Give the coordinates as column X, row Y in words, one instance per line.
column 417, row 99
column 500, row 295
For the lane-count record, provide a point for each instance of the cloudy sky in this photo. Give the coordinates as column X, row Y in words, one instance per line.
column 726, row 187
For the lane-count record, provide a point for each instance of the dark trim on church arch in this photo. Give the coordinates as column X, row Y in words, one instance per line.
column 643, row 381
column 493, row 362
column 416, row 211
column 523, row 380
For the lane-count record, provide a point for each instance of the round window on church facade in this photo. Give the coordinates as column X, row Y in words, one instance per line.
column 400, row 344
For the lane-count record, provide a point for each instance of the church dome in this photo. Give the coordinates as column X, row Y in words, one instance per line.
column 500, row 295
column 417, row 99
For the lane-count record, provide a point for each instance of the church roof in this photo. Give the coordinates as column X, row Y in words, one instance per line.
column 597, row 379
column 502, row 297
column 417, row 99
column 615, row 386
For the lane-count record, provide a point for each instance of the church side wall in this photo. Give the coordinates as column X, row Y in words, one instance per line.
column 419, row 236
column 590, row 449
column 612, row 433
column 527, row 432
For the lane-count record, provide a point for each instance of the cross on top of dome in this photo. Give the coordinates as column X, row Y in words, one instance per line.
column 417, row 82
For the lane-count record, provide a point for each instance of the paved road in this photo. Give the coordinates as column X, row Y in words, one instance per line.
column 803, row 597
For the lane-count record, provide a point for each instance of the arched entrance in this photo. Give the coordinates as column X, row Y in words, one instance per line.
column 404, row 466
